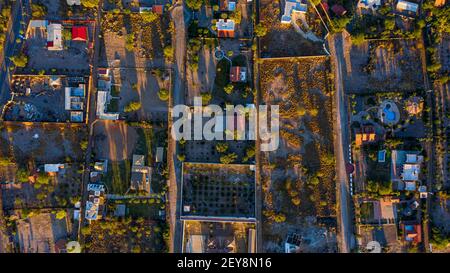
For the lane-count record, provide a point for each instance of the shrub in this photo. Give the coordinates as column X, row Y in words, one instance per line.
column 19, row 60
column 149, row 16
column 163, row 94
column 260, row 30
column 132, row 106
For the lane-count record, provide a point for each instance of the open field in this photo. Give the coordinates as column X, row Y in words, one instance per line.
column 306, row 42
column 383, row 66
column 299, row 177
column 130, row 42
column 138, row 85
column 42, row 143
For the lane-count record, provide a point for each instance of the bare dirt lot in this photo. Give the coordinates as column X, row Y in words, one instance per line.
column 383, row 66
column 143, row 86
column 299, row 177
column 42, row 143
column 294, row 43
column 114, row 141
column 129, row 42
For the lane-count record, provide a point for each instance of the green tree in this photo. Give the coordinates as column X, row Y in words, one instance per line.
column 19, row 60
column 89, row 3
column 228, row 88
column 22, row 175
column 149, row 16
column 168, row 52
column 38, row 11
column 194, row 4
column 206, row 98
column 61, row 214
column 222, row 147
column 132, row 106
column 228, row 159
column 163, row 94
column 260, row 30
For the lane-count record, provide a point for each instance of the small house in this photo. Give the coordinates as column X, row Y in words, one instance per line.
column 79, row 33
column 293, row 6
column 238, row 74
column 225, row 28
column 54, row 37
column 406, row 8
column 365, row 134
column 140, row 174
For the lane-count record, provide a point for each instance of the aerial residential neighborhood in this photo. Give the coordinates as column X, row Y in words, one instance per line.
column 224, row 126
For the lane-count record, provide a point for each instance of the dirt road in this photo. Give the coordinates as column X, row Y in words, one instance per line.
column 341, row 145
column 177, row 96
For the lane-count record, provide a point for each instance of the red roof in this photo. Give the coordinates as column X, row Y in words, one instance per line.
column 338, row 10
column 158, row 9
column 79, row 33
column 225, row 33
column 49, row 43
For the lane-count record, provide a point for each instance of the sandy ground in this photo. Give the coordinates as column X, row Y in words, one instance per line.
column 113, row 140
column 45, row 143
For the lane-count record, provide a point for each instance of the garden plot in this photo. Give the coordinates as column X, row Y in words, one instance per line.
column 299, row 177
column 218, row 190
column 383, row 66
column 296, row 39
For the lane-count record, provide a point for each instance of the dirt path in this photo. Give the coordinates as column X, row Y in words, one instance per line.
column 341, row 144
column 176, row 227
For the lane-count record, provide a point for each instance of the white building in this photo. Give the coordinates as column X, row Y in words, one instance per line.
column 54, row 37
column 372, row 5
column 407, row 7
column 73, row 2
column 292, row 6
column 103, row 99
column 53, row 168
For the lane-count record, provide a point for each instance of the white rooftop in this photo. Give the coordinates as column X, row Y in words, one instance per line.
column 407, row 6
column 411, row 172
column 290, row 7
column 225, row 25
